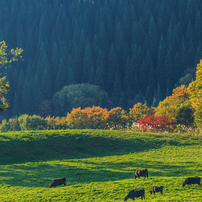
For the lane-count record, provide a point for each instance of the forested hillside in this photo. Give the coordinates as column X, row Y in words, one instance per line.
column 135, row 50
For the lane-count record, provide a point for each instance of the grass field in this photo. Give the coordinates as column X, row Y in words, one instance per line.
column 98, row 165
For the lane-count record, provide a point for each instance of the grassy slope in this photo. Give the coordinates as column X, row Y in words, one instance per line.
column 99, row 165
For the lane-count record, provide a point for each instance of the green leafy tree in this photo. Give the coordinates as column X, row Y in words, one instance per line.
column 78, row 95
column 5, row 58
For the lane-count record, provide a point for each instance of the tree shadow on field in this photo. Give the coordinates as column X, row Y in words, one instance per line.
column 40, row 174
column 161, row 169
column 81, row 145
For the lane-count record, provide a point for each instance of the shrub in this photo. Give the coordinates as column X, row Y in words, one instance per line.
column 156, row 123
column 34, row 122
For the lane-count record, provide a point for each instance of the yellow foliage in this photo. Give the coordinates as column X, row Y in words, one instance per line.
column 117, row 116
column 140, row 112
column 171, row 104
column 195, row 90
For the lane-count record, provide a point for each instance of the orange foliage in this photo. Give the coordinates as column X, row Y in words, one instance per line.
column 96, row 117
column 89, row 117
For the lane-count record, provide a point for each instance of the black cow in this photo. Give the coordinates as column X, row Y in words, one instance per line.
column 135, row 193
column 156, row 189
column 143, row 172
column 192, row 180
column 57, row 182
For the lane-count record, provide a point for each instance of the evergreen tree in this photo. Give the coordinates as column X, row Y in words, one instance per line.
column 123, row 101
column 61, row 79
column 191, row 53
column 144, row 73
column 92, row 75
column 26, row 99
column 36, row 94
column 129, row 75
column 55, row 58
column 29, row 72
column 160, row 71
column 116, row 90
column 126, row 25
column 16, row 111
column 152, row 79
column 112, row 67
column 43, row 64
column 170, row 75
column 136, row 59
column 59, row 26
column 158, row 97
column 152, row 34
column 197, row 28
column 140, row 98
column 21, row 83
column 95, row 47
column 119, row 43
column 100, row 71
column 76, row 33
column 46, row 85
column 190, row 13
column 168, row 89
column 87, row 63
column 77, row 66
column 189, row 32
column 148, row 96
column 198, row 53
column 138, row 36
column 104, row 44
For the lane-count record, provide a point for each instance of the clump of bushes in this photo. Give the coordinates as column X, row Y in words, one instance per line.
column 140, row 118
column 87, row 118
column 157, row 123
column 24, row 122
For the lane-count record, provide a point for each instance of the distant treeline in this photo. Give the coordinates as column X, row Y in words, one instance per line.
column 135, row 50
column 175, row 109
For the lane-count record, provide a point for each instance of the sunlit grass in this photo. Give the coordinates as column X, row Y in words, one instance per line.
column 97, row 176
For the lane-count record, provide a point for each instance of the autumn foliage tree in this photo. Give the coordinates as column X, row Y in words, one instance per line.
column 96, row 118
column 174, row 104
column 140, row 112
column 195, row 90
column 156, row 123
column 117, row 117
column 89, row 117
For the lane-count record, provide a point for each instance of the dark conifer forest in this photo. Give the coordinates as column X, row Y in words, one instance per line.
column 134, row 50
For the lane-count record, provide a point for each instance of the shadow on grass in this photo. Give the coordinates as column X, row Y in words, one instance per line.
column 28, row 176
column 41, row 174
column 34, row 147
column 19, row 147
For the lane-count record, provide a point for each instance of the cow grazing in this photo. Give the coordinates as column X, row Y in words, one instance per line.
column 57, row 182
column 156, row 189
column 143, row 172
column 135, row 194
column 192, row 180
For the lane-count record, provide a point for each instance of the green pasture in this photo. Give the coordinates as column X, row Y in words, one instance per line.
column 98, row 165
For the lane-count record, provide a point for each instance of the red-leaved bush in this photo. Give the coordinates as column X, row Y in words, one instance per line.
column 156, row 123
